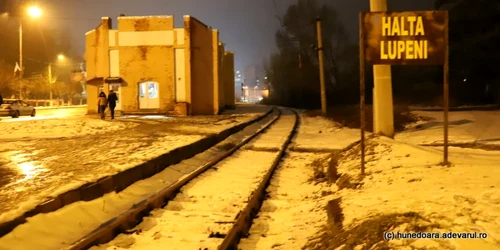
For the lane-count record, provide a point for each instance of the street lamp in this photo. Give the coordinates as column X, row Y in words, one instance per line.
column 33, row 12
column 60, row 57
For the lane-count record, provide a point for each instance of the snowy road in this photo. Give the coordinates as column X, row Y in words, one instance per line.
column 33, row 169
column 206, row 208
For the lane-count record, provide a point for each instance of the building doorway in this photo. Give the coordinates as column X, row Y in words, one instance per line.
column 116, row 87
column 148, row 95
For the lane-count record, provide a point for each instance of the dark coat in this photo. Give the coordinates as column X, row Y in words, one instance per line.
column 1, row 100
column 112, row 99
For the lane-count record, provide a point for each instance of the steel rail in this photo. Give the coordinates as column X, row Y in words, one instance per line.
column 127, row 220
column 245, row 217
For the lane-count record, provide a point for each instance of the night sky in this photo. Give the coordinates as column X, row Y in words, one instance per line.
column 246, row 26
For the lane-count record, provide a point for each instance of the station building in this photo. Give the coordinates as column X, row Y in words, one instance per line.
column 157, row 69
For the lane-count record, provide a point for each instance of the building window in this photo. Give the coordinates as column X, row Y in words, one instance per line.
column 142, row 90
column 153, row 90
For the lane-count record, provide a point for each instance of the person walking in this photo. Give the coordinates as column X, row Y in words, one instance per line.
column 102, row 102
column 112, row 99
column 1, row 99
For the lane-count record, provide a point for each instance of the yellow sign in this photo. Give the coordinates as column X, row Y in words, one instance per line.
column 404, row 37
column 403, row 49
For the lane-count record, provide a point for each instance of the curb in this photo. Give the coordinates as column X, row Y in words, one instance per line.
column 121, row 180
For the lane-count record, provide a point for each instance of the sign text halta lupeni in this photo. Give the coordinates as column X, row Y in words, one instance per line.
column 404, row 37
column 411, row 26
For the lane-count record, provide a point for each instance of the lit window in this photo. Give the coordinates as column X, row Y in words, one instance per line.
column 142, row 90
column 153, row 90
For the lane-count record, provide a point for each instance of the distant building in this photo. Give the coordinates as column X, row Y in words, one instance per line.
column 254, row 82
column 156, row 68
column 238, row 81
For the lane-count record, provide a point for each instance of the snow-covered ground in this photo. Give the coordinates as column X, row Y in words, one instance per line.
column 80, row 218
column 57, row 127
column 464, row 127
column 33, row 170
column 209, row 204
column 291, row 214
column 439, row 108
column 319, row 133
column 204, row 206
column 406, row 190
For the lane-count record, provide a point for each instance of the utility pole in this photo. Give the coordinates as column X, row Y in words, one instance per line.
column 50, row 83
column 21, row 60
column 321, row 65
column 383, row 111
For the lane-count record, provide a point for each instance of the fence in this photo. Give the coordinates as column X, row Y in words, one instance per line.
column 55, row 102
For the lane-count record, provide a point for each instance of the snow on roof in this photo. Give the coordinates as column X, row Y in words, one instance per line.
column 104, row 18
column 140, row 17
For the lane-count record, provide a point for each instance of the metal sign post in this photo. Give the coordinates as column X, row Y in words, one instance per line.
column 446, row 90
column 403, row 38
column 362, row 90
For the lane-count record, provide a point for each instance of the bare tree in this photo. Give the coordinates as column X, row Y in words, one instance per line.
column 6, row 77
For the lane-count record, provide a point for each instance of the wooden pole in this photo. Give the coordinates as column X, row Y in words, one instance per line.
column 50, row 83
column 446, row 89
column 362, row 89
column 21, row 60
column 321, row 65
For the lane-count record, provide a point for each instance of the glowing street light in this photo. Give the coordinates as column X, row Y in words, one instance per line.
column 34, row 12
column 61, row 57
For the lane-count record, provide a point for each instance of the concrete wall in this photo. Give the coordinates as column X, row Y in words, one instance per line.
column 187, row 62
column 229, row 79
column 218, row 55
column 146, row 52
column 201, row 67
column 97, row 61
column 221, row 101
column 92, row 88
column 144, row 49
column 217, row 67
column 96, row 50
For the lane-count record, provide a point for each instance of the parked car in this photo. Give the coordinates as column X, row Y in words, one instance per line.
column 16, row 108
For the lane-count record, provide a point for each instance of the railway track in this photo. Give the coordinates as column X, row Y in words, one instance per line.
column 211, row 208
